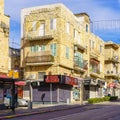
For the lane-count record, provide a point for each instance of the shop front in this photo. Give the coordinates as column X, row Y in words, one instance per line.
column 55, row 88
column 8, row 93
column 90, row 89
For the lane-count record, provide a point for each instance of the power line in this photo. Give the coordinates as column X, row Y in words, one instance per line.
column 111, row 25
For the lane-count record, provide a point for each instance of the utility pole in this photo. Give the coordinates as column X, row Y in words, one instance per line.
column 30, row 95
column 13, row 96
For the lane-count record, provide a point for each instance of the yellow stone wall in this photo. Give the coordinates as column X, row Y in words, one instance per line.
column 4, row 40
column 62, row 39
column 2, row 6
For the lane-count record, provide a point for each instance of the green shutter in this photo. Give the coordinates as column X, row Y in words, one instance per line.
column 67, row 52
column 53, row 49
column 32, row 48
column 43, row 47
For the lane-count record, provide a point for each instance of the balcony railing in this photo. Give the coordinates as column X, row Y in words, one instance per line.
column 34, row 35
column 79, row 46
column 94, row 54
column 95, row 70
column 114, row 59
column 78, row 64
column 46, row 59
column 111, row 73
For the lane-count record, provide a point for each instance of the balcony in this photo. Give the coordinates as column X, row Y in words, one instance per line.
column 34, row 36
column 113, row 59
column 95, row 72
column 79, row 46
column 111, row 73
column 5, row 28
column 40, row 58
column 80, row 65
column 94, row 54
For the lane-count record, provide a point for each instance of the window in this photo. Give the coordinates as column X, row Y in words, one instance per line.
column 67, row 27
column 79, row 59
column 86, row 27
column 53, row 24
column 78, row 38
column 90, row 44
column 53, row 49
column 75, row 33
column 41, row 76
column 67, row 52
column 34, row 25
column 37, row 48
column 100, row 48
column 93, row 44
column 100, row 67
column 41, row 48
column 34, row 48
column 42, row 29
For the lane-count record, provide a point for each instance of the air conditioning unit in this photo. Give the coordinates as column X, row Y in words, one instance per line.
column 32, row 76
column 111, row 72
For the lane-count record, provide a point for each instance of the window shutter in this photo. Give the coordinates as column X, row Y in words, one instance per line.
column 42, row 29
column 67, row 27
column 34, row 25
column 37, row 25
column 67, row 52
column 53, row 24
column 53, row 49
column 43, row 47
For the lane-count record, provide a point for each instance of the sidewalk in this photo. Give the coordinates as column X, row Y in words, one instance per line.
column 37, row 109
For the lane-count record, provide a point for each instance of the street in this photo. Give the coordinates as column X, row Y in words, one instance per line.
column 89, row 112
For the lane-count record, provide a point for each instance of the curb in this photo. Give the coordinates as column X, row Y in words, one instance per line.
column 39, row 112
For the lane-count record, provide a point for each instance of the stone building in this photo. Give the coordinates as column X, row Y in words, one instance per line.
column 112, row 67
column 4, row 40
column 59, row 52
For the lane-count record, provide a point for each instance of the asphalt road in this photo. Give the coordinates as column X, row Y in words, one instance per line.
column 92, row 112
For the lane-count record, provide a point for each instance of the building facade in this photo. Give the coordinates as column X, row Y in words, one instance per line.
column 112, row 74
column 4, row 40
column 59, row 52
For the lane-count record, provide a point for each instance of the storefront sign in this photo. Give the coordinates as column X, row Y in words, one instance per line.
column 90, row 82
column 112, row 85
column 71, row 81
column 52, row 79
column 87, row 82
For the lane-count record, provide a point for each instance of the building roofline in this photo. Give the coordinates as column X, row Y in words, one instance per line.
column 83, row 13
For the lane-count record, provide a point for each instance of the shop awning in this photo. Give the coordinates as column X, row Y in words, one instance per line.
column 20, row 83
column 3, row 76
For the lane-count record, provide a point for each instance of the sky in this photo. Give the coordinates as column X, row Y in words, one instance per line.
column 105, row 13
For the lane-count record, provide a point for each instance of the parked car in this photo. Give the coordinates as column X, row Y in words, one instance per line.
column 22, row 102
